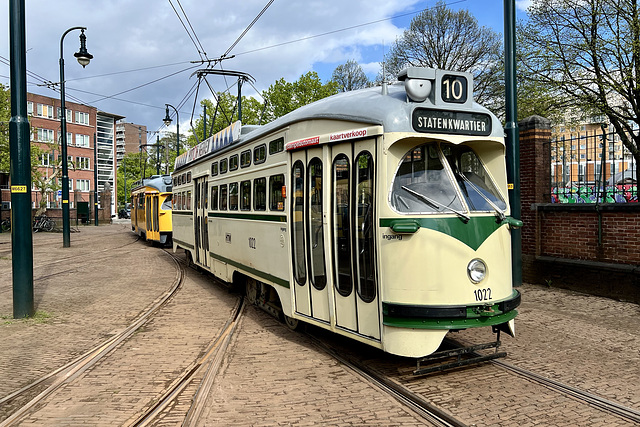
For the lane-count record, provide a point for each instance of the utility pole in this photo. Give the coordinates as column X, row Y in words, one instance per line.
column 512, row 137
column 20, row 168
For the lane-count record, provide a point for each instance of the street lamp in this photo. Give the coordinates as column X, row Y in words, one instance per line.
column 83, row 58
column 167, row 121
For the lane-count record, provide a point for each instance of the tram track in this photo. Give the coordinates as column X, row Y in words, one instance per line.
column 205, row 367
column 67, row 373
column 599, row 402
column 429, row 412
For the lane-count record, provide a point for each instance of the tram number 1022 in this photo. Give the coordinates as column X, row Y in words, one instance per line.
column 482, row 294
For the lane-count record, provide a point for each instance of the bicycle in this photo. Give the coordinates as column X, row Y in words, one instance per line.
column 6, row 224
column 43, row 223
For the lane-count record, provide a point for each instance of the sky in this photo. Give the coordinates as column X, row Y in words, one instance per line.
column 143, row 54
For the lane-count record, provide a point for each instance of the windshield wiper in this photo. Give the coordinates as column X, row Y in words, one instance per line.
column 437, row 205
column 499, row 212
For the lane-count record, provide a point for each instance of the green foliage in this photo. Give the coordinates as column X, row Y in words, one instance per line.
column 5, row 116
column 283, row 97
column 134, row 164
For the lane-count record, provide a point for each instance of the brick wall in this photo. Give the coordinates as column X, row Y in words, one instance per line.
column 583, row 247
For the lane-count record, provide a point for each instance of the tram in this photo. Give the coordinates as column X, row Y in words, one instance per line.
column 380, row 214
column 151, row 209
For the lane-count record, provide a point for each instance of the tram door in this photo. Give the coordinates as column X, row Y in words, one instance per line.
column 354, row 272
column 201, row 224
column 308, row 205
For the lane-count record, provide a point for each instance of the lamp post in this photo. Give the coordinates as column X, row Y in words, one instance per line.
column 167, row 121
column 83, row 58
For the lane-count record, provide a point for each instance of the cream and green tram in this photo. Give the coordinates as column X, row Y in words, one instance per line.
column 380, row 214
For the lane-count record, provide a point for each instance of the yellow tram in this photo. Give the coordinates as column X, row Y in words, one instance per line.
column 151, row 209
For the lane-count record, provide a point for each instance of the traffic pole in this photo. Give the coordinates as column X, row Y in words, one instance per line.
column 20, row 168
column 512, row 137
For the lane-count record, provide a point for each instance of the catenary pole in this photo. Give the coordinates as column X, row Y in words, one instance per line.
column 512, row 136
column 20, row 168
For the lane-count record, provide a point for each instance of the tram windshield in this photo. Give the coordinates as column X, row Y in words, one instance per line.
column 423, row 183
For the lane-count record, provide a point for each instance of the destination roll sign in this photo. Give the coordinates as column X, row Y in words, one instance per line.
column 451, row 122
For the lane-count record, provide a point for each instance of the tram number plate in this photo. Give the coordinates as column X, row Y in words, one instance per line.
column 482, row 294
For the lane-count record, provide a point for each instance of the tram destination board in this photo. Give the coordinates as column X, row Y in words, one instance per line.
column 451, row 122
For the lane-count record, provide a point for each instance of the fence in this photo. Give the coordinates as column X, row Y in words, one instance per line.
column 592, row 167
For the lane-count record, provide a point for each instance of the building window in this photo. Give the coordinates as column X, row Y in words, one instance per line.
column 44, row 111
column 30, row 108
column 83, row 163
column 82, row 141
column 82, row 184
column 45, row 135
column 46, row 159
column 82, row 118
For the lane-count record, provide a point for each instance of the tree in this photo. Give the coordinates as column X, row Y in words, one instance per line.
column 134, row 164
column 445, row 39
column 283, row 97
column 5, row 116
column 588, row 52
column 350, row 76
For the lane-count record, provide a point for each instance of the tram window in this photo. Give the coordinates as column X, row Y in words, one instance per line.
column 175, row 181
column 259, row 154
column 214, row 168
column 316, row 230
column 342, row 225
column 214, row 198
column 223, row 197
column 245, row 159
column 276, row 183
column 422, row 184
column 297, row 201
column 478, row 189
column 276, row 146
column 166, row 205
column 260, row 194
column 188, row 177
column 365, row 225
column 223, row 166
column 245, row 195
column 233, row 162
column 233, row 196
column 189, row 200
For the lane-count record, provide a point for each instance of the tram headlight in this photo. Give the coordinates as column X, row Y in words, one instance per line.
column 477, row 270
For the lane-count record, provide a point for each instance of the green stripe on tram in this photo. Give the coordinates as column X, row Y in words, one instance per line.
column 472, row 234
column 416, row 323
column 261, row 274
column 254, row 217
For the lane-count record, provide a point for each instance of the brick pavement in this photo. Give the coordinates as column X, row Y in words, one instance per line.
column 273, row 376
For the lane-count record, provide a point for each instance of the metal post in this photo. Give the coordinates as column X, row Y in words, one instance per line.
column 20, row 168
column 66, row 229
column 158, row 154
column 95, row 179
column 512, row 136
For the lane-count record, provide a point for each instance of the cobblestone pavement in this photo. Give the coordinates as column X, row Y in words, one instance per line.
column 272, row 376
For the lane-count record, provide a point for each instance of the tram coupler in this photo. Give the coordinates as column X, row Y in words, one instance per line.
column 458, row 353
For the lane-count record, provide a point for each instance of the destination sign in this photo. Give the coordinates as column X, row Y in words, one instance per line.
column 451, row 122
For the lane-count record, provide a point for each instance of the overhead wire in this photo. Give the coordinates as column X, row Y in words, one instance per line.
column 186, row 29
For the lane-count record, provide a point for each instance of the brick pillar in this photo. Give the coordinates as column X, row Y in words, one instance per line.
column 535, row 182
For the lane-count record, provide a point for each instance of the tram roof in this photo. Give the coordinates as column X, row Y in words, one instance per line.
column 387, row 106
column 162, row 183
